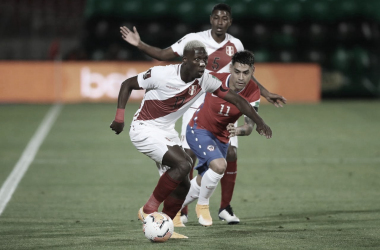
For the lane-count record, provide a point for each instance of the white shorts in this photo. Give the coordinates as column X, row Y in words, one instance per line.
column 186, row 119
column 152, row 141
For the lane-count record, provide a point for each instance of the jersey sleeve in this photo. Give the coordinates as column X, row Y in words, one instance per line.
column 149, row 79
column 254, row 99
column 211, row 83
column 180, row 44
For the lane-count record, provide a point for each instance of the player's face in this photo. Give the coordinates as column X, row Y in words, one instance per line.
column 240, row 76
column 197, row 62
column 220, row 22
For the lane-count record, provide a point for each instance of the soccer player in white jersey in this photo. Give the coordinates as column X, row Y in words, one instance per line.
column 220, row 46
column 170, row 91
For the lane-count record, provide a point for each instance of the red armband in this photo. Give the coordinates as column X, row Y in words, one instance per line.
column 119, row 115
column 221, row 92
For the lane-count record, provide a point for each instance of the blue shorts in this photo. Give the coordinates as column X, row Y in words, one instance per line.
column 205, row 146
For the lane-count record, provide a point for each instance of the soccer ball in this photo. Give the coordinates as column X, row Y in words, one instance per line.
column 158, row 227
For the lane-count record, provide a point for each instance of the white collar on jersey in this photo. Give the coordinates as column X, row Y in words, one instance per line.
column 224, row 41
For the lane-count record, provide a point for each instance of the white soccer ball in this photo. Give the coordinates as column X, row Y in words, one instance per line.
column 158, row 227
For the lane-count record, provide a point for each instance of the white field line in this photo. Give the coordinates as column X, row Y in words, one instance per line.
column 27, row 156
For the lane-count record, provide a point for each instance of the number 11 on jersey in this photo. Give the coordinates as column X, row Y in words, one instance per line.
column 221, row 110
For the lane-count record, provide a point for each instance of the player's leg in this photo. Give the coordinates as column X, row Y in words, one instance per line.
column 210, row 180
column 185, row 121
column 228, row 184
column 183, row 216
column 180, row 164
column 163, row 147
column 173, row 185
column 210, row 151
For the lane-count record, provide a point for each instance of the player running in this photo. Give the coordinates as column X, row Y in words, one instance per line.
column 170, row 91
column 220, row 47
column 208, row 138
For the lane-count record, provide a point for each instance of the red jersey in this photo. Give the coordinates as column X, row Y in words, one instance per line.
column 215, row 113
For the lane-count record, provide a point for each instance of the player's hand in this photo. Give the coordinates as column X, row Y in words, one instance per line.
column 129, row 36
column 117, row 127
column 264, row 129
column 275, row 99
column 232, row 130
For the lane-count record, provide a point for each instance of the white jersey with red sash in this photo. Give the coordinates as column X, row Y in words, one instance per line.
column 219, row 54
column 167, row 97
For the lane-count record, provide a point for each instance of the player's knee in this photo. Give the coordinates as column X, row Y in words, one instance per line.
column 191, row 155
column 185, row 166
column 220, row 169
column 231, row 153
column 218, row 165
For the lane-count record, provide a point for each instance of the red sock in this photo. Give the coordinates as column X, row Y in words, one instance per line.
column 172, row 206
column 228, row 183
column 164, row 188
column 185, row 210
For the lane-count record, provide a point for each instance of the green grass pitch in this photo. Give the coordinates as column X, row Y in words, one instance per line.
column 314, row 185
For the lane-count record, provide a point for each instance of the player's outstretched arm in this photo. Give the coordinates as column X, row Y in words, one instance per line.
column 243, row 130
column 133, row 38
column 273, row 98
column 126, row 88
column 246, row 109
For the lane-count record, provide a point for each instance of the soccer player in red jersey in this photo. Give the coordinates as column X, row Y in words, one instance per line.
column 211, row 127
column 171, row 90
column 220, row 47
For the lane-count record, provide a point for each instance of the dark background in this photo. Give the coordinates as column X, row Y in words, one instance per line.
column 342, row 36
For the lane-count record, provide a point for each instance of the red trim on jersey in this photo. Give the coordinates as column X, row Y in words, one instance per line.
column 153, row 109
column 221, row 92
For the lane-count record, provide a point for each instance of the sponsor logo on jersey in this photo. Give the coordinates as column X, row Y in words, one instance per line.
column 210, row 148
column 230, row 50
column 171, row 87
column 192, row 89
column 147, row 74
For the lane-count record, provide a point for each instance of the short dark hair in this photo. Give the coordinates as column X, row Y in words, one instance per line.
column 243, row 57
column 222, row 6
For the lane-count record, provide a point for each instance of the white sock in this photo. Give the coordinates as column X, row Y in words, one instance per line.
column 208, row 185
column 193, row 192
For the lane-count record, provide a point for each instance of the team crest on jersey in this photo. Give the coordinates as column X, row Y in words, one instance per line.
column 192, row 89
column 147, row 74
column 230, row 50
column 210, row 148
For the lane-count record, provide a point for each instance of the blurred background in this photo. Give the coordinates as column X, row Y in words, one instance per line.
column 342, row 36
